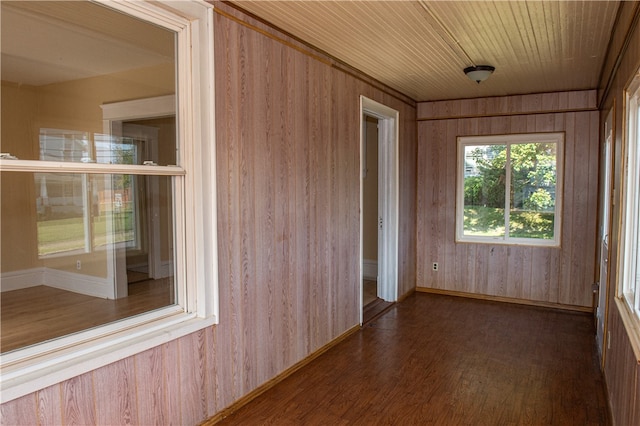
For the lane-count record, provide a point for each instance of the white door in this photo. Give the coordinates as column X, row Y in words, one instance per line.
column 601, row 310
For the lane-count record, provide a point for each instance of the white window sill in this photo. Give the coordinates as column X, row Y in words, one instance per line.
column 510, row 242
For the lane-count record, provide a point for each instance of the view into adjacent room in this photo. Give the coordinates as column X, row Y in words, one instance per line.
column 87, row 235
column 370, row 211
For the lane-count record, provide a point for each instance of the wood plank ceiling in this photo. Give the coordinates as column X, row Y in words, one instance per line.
column 421, row 47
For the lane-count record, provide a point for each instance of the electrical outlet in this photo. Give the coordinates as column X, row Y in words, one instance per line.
column 435, row 266
column 78, row 265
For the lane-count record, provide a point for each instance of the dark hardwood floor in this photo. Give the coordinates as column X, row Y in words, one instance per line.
column 444, row 360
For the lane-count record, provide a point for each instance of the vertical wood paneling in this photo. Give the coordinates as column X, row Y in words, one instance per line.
column 172, row 378
column 212, row 378
column 298, row 100
column 79, row 401
column 264, row 332
column 248, row 146
column 537, row 103
column 550, row 275
column 150, row 387
column 621, row 368
column 289, row 160
column 116, row 400
column 193, row 392
column 288, row 176
column 408, row 200
column 49, row 409
column 621, row 373
column 20, row 411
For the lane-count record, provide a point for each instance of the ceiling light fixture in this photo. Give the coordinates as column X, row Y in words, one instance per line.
column 479, row 73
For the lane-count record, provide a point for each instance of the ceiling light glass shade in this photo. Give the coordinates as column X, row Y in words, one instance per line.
column 479, row 73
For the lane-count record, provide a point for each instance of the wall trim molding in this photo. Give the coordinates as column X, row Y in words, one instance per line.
column 277, row 379
column 78, row 283
column 63, row 280
column 25, row 278
column 585, row 309
column 509, row 114
column 166, row 268
column 508, row 106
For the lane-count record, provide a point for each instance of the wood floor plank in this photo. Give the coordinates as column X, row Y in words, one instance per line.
column 37, row 314
column 436, row 359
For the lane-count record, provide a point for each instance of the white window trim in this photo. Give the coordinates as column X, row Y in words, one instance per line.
column 557, row 138
column 34, row 368
column 629, row 266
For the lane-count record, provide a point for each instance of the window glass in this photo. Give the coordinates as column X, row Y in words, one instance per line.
column 484, row 190
column 84, row 248
column 630, row 235
column 533, row 190
column 508, row 190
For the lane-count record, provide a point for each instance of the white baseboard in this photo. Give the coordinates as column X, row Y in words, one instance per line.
column 139, row 267
column 16, row 280
column 370, row 269
column 166, row 268
column 64, row 280
column 79, row 283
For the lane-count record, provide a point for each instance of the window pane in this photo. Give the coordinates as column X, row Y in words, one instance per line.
column 533, row 190
column 64, row 145
column 56, row 90
column 95, row 255
column 82, row 250
column 484, row 190
column 60, row 212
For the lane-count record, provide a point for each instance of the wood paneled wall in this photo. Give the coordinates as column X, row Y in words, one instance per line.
column 558, row 276
column 289, row 237
column 621, row 365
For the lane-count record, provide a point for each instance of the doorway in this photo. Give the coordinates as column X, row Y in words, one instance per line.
column 602, row 300
column 369, row 210
column 147, row 127
column 378, row 193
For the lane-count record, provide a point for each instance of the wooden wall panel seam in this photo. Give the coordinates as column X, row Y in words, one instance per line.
column 619, row 57
column 508, row 114
column 504, row 106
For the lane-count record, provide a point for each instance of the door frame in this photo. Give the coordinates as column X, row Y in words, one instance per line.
column 602, row 309
column 113, row 115
column 388, row 197
column 151, row 208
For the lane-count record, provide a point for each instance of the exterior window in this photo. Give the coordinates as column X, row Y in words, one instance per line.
column 73, row 211
column 630, row 232
column 509, row 189
column 101, row 258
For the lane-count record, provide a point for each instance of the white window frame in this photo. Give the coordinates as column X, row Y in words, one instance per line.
column 27, row 370
column 629, row 259
column 512, row 139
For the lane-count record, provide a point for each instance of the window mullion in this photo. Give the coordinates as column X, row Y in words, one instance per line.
column 507, row 191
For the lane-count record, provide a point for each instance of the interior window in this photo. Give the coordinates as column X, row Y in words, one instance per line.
column 630, row 234
column 84, row 245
